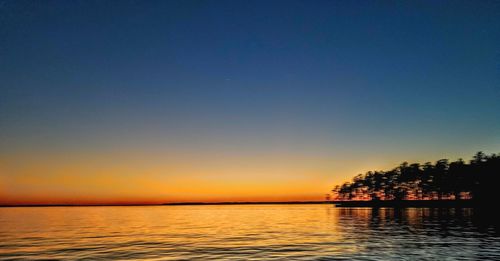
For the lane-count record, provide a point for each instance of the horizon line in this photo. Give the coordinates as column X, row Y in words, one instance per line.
column 167, row 204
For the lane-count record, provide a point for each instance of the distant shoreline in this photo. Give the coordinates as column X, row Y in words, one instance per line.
column 248, row 203
column 369, row 204
column 172, row 204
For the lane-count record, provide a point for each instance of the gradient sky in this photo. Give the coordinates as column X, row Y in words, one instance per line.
column 154, row 101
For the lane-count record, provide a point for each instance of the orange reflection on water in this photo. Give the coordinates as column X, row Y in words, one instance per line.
column 162, row 230
column 248, row 232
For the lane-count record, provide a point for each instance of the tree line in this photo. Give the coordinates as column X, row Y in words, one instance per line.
column 443, row 180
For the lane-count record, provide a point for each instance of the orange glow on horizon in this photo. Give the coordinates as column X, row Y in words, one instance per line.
column 150, row 201
column 44, row 180
column 135, row 178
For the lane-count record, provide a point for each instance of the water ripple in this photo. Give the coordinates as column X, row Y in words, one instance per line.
column 249, row 232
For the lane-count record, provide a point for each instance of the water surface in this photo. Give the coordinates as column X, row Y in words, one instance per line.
column 246, row 232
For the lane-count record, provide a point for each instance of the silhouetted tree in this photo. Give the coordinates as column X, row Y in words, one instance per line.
column 443, row 180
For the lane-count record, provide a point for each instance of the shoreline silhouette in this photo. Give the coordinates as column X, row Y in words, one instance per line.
column 443, row 183
column 337, row 203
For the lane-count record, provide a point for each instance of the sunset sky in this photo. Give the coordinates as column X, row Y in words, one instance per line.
column 163, row 101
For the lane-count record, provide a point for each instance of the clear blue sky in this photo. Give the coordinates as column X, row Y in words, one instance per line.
column 333, row 83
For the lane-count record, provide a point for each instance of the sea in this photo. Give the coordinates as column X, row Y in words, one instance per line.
column 247, row 232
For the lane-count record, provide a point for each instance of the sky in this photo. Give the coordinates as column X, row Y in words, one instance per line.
column 168, row 101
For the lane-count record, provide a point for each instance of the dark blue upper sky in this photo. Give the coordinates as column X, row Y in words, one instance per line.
column 402, row 79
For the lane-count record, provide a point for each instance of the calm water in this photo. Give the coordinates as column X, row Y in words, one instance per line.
column 246, row 232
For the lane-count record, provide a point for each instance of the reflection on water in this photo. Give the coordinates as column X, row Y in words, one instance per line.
column 297, row 232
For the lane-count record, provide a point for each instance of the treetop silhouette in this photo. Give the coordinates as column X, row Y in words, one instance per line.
column 477, row 180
